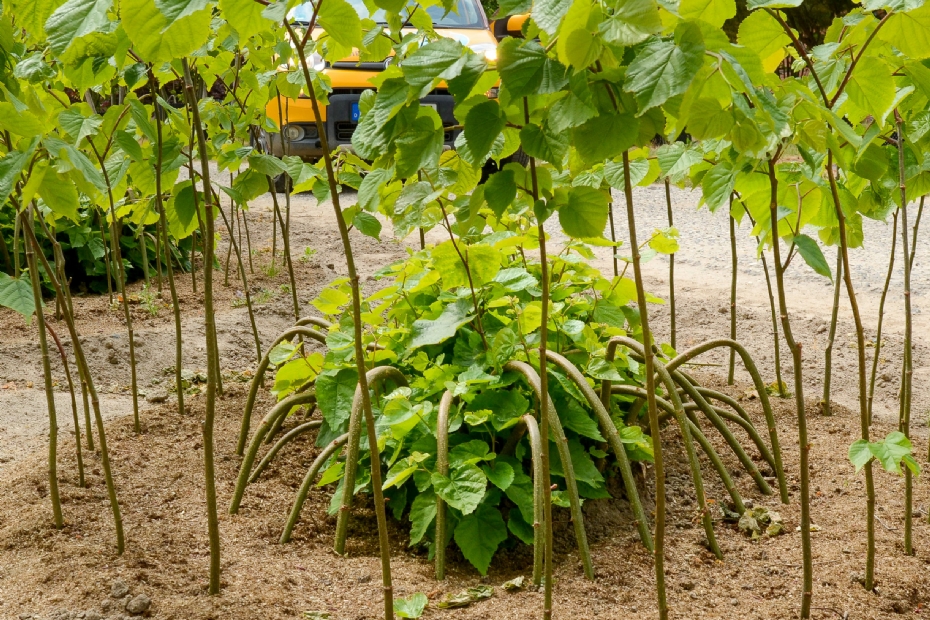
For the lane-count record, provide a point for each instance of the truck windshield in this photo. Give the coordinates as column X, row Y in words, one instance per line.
column 465, row 14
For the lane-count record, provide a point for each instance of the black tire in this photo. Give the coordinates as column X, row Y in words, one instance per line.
column 282, row 183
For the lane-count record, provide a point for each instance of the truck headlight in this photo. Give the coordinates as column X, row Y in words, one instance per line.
column 488, row 50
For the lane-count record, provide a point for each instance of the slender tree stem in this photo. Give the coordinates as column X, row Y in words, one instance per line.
column 863, row 395
column 734, row 261
column 671, row 265
column 828, row 351
column 74, row 413
column 84, row 369
column 881, row 312
column 659, row 537
column 34, row 277
column 544, row 387
column 163, row 230
column 796, row 349
column 213, row 527
column 354, row 282
column 908, row 370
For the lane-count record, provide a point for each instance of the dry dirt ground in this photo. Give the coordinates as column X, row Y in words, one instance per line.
column 61, row 574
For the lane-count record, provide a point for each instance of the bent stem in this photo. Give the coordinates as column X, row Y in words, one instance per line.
column 671, row 265
column 734, row 264
column 74, row 413
column 881, row 313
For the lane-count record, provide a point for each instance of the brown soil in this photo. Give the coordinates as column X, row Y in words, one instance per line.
column 160, row 485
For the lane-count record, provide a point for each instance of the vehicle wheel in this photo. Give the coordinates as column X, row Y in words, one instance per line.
column 282, row 183
column 520, row 157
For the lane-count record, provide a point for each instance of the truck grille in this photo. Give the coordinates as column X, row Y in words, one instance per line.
column 344, row 131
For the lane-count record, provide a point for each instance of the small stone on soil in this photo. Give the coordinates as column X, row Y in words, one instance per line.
column 139, row 604
column 119, row 589
column 157, row 397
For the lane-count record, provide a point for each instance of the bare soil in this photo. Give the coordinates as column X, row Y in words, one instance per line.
column 160, row 482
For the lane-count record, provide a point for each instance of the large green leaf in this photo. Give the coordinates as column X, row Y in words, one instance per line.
column 762, row 33
column 605, row 136
column 632, row 22
column 442, row 59
column 676, row 160
column 909, row 32
column 74, row 19
column 341, row 22
column 59, row 195
column 31, row 15
column 500, row 190
column 479, row 534
column 544, row 143
column 714, row 12
column 548, row 14
column 11, row 165
column 871, row 87
column 453, row 316
column 334, row 393
column 422, row 513
column 79, row 126
column 243, row 15
column 420, row 145
column 173, row 10
column 583, row 212
column 483, row 124
column 483, row 264
column 521, row 65
column 616, row 177
column 155, row 39
column 717, row 186
column 16, row 294
column 663, row 69
column 462, row 489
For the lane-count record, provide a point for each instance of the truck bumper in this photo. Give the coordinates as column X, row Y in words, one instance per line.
column 339, row 124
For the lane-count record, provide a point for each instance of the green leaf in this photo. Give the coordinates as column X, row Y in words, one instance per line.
column 714, row 12
column 500, row 474
column 860, row 454
column 483, row 263
column 367, row 224
column 663, row 69
column 483, row 123
column 180, row 211
column 31, row 15
column 155, row 39
column 813, row 255
column 871, row 87
column 369, row 193
column 762, row 33
column 521, row 65
column 548, row 14
column 341, row 22
column 453, row 316
column 717, row 186
column 575, row 418
column 410, row 607
column 59, row 195
column 585, row 469
column 506, row 406
column 909, row 32
column 545, row 144
column 605, row 136
column 463, row 489
column 632, row 22
column 73, row 20
column 79, row 126
column 442, row 59
column 615, row 176
column 16, row 294
column 334, row 397
column 583, row 213
column 422, row 513
column 479, row 534
column 500, row 190
column 173, row 10
column 515, row 279
column 419, row 146
column 246, row 16
column 470, row 453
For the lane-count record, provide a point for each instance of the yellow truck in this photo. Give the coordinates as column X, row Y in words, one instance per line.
column 467, row 23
